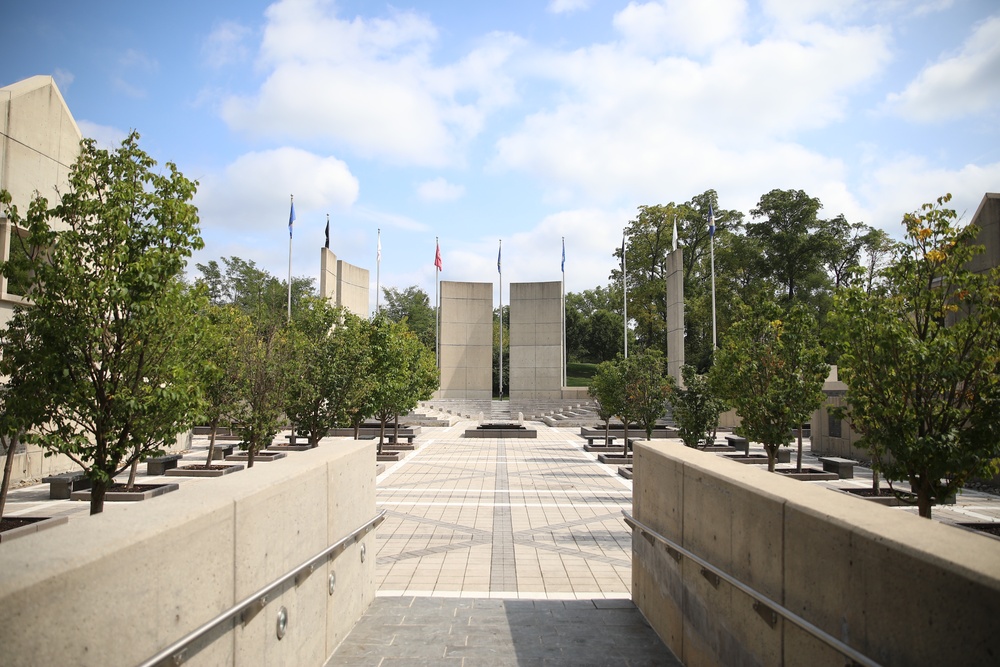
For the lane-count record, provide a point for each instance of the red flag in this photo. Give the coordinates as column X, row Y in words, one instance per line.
column 437, row 257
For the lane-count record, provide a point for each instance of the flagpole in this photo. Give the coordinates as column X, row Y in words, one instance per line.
column 378, row 267
column 624, row 296
column 437, row 295
column 291, row 219
column 711, row 245
column 565, row 359
column 500, row 271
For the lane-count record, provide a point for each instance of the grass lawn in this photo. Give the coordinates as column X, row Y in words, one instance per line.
column 578, row 373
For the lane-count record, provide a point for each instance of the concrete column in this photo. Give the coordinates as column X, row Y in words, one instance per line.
column 536, row 340
column 466, row 340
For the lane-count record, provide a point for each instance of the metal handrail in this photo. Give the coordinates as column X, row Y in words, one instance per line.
column 772, row 606
column 175, row 654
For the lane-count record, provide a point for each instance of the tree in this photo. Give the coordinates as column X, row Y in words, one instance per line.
column 695, row 407
column 218, row 366
column 261, row 355
column 411, row 306
column 920, row 357
column 646, row 389
column 253, row 290
column 103, row 350
column 328, row 374
column 770, row 368
column 501, row 331
column 607, row 388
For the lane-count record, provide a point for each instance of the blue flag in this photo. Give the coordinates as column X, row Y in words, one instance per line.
column 291, row 219
column 711, row 222
column 498, row 259
column 564, row 255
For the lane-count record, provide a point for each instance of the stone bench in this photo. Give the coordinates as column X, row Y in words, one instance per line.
column 739, row 442
column 160, row 464
column 220, row 451
column 591, row 438
column 63, row 484
column 843, row 467
column 402, row 436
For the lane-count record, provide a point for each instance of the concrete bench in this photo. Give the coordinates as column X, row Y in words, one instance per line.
column 843, row 467
column 161, row 464
column 591, row 438
column 739, row 442
column 402, row 436
column 221, row 451
column 63, row 484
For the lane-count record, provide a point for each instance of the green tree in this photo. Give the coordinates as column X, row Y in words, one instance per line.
column 920, row 357
column 328, row 374
column 497, row 351
column 646, row 389
column 262, row 353
column 411, row 306
column 252, row 289
column 103, row 350
column 695, row 407
column 607, row 388
column 218, row 366
column 771, row 368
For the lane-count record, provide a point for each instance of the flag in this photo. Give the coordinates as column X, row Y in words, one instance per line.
column 675, row 232
column 437, row 255
column 327, row 231
column 378, row 249
column 711, row 222
column 291, row 219
column 564, row 255
column 498, row 257
column 623, row 251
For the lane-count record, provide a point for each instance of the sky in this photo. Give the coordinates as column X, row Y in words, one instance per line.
column 526, row 121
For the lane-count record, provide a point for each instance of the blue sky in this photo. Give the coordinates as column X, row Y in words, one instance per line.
column 526, row 121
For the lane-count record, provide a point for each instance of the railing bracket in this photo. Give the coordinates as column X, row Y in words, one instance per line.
column 712, row 577
column 769, row 615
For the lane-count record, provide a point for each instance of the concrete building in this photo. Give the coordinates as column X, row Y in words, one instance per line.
column 39, row 141
column 466, row 359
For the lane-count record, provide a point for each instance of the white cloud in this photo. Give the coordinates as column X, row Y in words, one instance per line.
column 630, row 127
column 227, row 44
column 568, row 6
column 439, row 189
column 370, row 85
column 63, row 78
column 107, row 137
column 960, row 85
column 252, row 193
column 677, row 26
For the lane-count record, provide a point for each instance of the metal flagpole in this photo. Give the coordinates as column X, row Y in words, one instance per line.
column 711, row 245
column 565, row 358
column 291, row 219
column 437, row 296
column 500, row 271
column 624, row 296
column 378, row 267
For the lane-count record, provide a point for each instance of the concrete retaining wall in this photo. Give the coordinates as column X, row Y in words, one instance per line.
column 115, row 588
column 900, row 589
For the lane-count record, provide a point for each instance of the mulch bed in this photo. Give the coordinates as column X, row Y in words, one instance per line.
column 136, row 488
column 991, row 528
column 202, row 466
column 10, row 523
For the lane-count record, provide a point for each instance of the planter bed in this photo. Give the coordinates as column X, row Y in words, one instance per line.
column 388, row 456
column 604, row 449
column 807, row 474
column 886, row 496
column 615, row 459
column 625, row 471
column 260, row 456
column 988, row 528
column 783, row 456
column 501, row 431
column 116, row 493
column 29, row 525
column 719, row 448
column 398, row 446
column 290, row 448
column 203, row 470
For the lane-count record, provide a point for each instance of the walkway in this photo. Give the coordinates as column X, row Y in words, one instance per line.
column 503, row 552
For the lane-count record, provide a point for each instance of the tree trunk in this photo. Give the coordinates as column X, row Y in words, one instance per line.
column 8, row 465
column 130, row 486
column 875, row 481
column 395, row 429
column 211, row 441
column 607, row 432
column 251, row 448
column 772, row 453
column 381, row 434
column 923, row 489
column 313, row 440
column 625, row 446
column 357, row 430
column 97, row 491
column 798, row 464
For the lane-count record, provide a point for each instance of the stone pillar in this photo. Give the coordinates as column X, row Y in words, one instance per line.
column 536, row 314
column 343, row 284
column 675, row 313
column 466, row 340
column 328, row 275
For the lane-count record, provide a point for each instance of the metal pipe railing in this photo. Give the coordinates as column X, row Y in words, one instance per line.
column 764, row 605
column 176, row 653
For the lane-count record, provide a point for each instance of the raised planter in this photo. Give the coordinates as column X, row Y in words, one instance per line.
column 30, row 525
column 388, row 456
column 501, row 431
column 807, row 474
column 615, row 459
column 886, row 496
column 783, row 456
column 290, row 448
column 263, row 457
column 203, row 471
column 398, row 446
column 117, row 493
column 990, row 529
column 625, row 471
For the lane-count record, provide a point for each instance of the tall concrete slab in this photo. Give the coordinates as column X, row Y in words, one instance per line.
column 536, row 355
column 675, row 313
column 343, row 284
column 466, row 340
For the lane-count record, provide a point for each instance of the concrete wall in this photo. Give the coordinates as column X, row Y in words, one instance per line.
column 898, row 588
column 536, row 356
column 675, row 313
column 987, row 218
column 466, row 340
column 115, row 588
column 343, row 284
